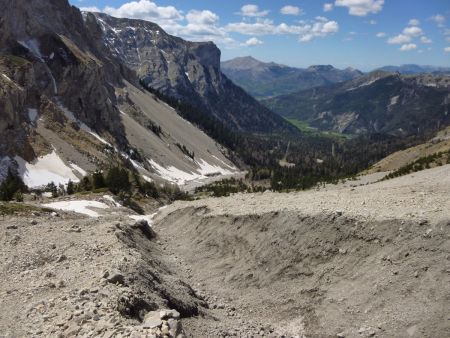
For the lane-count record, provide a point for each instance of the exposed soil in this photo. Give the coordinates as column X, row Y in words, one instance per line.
column 370, row 260
column 354, row 260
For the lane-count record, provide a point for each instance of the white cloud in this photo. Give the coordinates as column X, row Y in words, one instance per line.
column 291, row 10
column 252, row 11
column 361, row 7
column 306, row 31
column 399, row 39
column 408, row 47
column 381, row 35
column 413, row 31
column 439, row 19
column 447, row 49
column 90, row 9
column 252, row 42
column 414, row 22
column 202, row 17
column 425, row 39
column 328, row 7
column 373, row 22
column 146, row 10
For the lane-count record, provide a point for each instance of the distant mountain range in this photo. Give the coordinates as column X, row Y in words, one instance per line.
column 264, row 80
column 416, row 69
column 379, row 102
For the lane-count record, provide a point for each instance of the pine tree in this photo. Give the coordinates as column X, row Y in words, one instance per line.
column 10, row 186
column 70, row 188
column 98, row 181
column 117, row 180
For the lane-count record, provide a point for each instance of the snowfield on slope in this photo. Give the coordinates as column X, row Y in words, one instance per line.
column 46, row 169
column 80, row 206
column 180, row 177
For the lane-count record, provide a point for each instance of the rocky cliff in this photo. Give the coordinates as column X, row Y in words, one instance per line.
column 188, row 71
column 66, row 98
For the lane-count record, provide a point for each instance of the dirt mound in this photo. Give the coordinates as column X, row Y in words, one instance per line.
column 318, row 276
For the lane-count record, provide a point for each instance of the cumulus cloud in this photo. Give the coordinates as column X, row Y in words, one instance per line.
column 414, row 22
column 146, row 10
column 439, row 19
column 399, row 39
column 291, row 10
column 252, row 42
column 202, row 17
column 306, row 31
column 413, row 31
column 408, row 47
column 407, row 35
column 425, row 39
column 328, row 7
column 447, row 49
column 381, row 35
column 361, row 7
column 252, row 11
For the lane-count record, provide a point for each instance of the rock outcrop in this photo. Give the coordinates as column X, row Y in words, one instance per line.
column 188, row 71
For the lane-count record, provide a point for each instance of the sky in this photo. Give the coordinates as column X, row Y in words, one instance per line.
column 363, row 34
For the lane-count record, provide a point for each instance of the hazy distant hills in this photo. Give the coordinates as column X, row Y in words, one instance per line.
column 416, row 69
column 379, row 102
column 264, row 80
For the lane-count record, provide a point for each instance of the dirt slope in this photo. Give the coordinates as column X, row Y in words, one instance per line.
column 372, row 260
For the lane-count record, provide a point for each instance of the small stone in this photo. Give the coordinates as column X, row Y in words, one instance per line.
column 166, row 314
column 341, row 335
column 116, row 277
column 152, row 320
column 61, row 258
column 11, row 227
column 174, row 327
column 34, row 222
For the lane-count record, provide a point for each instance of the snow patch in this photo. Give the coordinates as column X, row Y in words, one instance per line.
column 32, row 115
column 80, row 206
column 112, row 200
column 71, row 117
column 146, row 178
column 207, row 169
column 394, row 100
column 46, row 169
column 173, row 174
column 180, row 177
column 78, row 169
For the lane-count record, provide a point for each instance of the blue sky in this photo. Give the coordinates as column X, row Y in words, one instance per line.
column 364, row 34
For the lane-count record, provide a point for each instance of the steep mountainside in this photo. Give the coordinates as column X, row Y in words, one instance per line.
column 376, row 103
column 416, row 69
column 188, row 71
column 270, row 79
column 69, row 106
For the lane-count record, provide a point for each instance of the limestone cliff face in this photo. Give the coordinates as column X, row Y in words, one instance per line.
column 189, row 71
column 66, row 59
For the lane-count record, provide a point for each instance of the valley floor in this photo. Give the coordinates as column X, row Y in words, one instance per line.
column 354, row 260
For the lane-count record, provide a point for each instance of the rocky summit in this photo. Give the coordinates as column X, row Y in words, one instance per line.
column 188, row 71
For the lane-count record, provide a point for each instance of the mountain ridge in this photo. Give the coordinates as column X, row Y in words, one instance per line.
column 378, row 102
column 187, row 71
column 263, row 79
